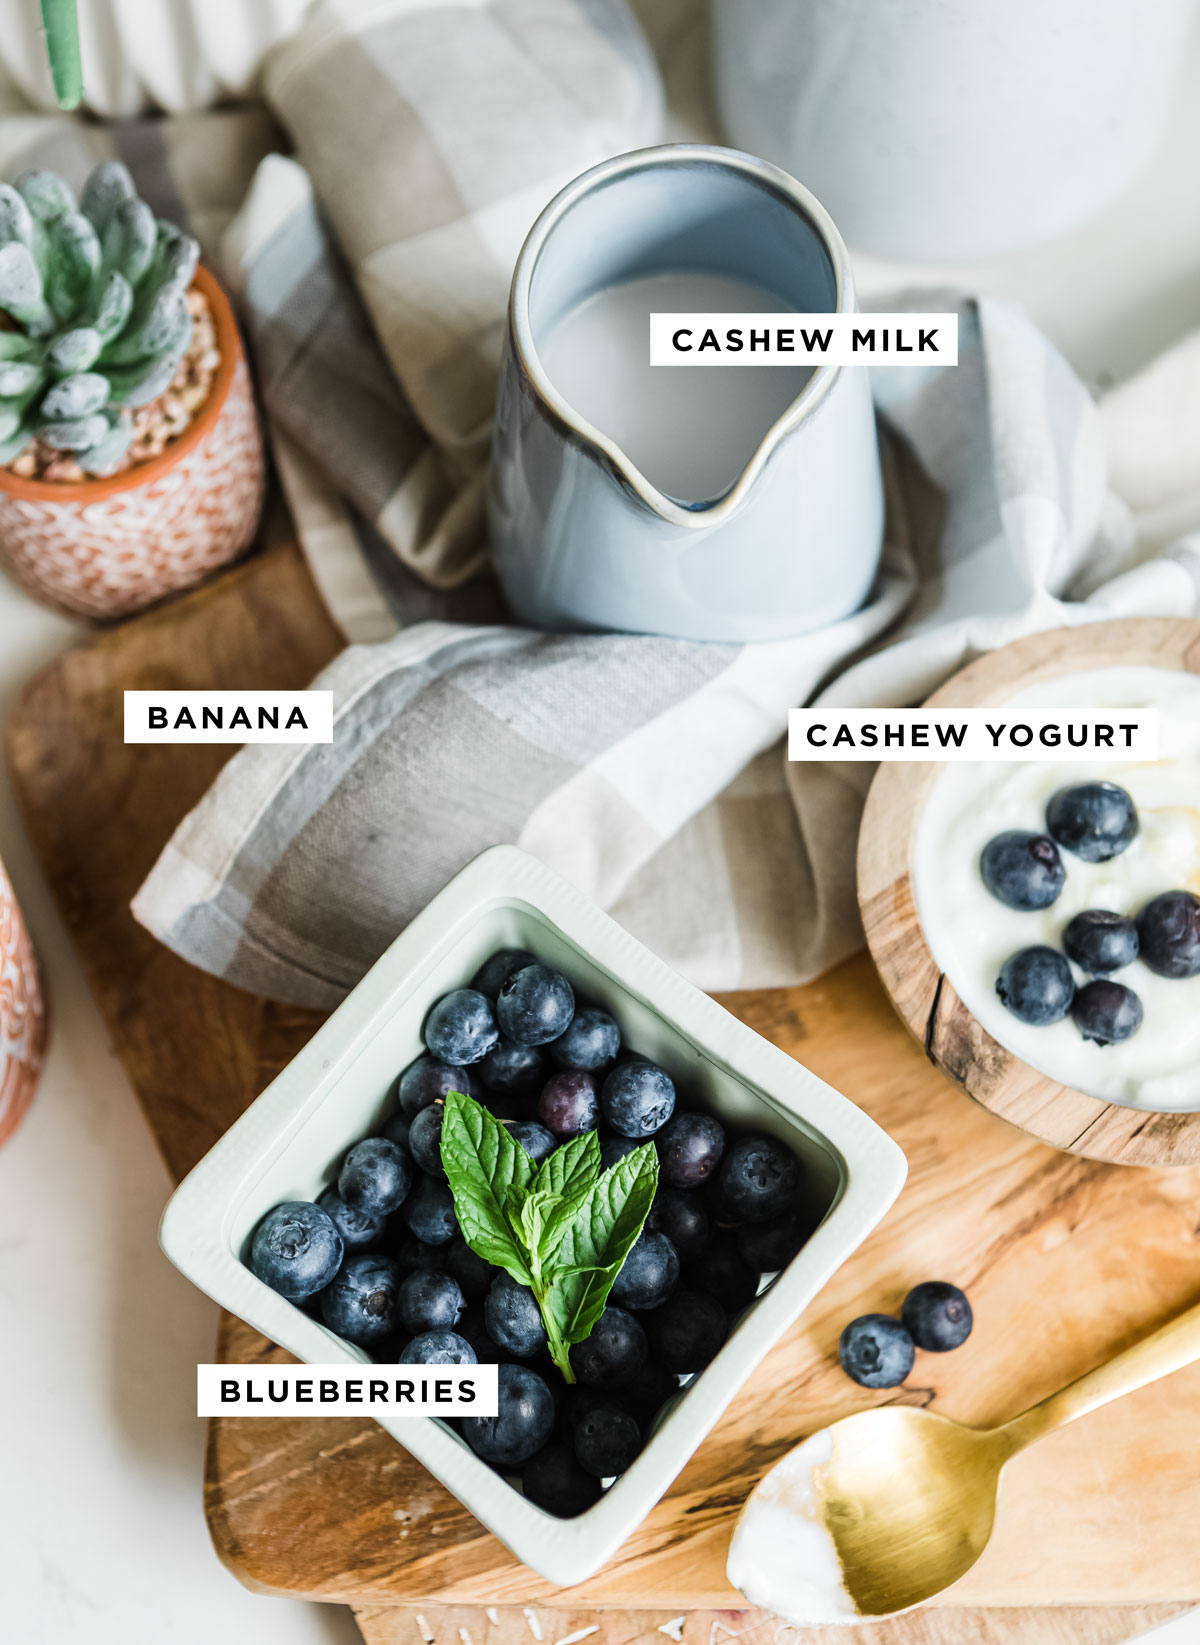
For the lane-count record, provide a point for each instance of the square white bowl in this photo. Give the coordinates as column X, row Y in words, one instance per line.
column 289, row 1143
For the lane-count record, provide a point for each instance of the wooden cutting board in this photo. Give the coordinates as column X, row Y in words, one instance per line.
column 1066, row 1260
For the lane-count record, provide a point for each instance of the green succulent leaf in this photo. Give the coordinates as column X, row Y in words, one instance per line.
column 104, row 456
column 21, row 289
column 15, row 221
column 176, row 257
column 75, row 433
column 73, row 351
column 165, row 329
column 18, row 377
column 76, row 397
column 72, row 264
column 61, row 27
column 12, row 416
column 113, row 307
column 108, row 185
column 129, row 239
column 12, row 445
column 14, row 345
column 138, row 384
column 45, row 193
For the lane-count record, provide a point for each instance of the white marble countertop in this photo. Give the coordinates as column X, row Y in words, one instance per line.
column 100, row 1505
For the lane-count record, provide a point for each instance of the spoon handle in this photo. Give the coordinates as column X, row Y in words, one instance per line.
column 1168, row 1349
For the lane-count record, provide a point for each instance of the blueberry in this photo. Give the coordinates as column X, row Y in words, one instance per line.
column 296, row 1249
column 535, row 1139
column 568, row 1105
column 1022, row 870
column 1169, row 933
column 376, row 1176
column 757, row 1179
column 1106, row 1012
column 648, row 1390
column 407, row 1251
column 504, row 1105
column 638, row 1098
column 428, row 1080
column 937, row 1316
column 425, row 1141
column 512, row 1317
column 682, row 1217
column 592, row 1039
column 649, row 1273
column 490, row 977
column 429, row 1301
column 688, row 1331
column 769, row 1246
column 473, row 1330
column 523, row 1423
column 429, row 1212
column 359, row 1229
column 472, row 1272
column 438, row 1348
column 510, row 1067
column 606, row 1441
column 535, row 1005
column 613, row 1149
column 689, row 1149
column 396, row 1129
column 616, row 1350
column 360, row 1302
column 1095, row 821
column 553, row 1480
column 1036, row 985
column 1100, row 941
column 725, row 1274
column 876, row 1351
column 461, row 1027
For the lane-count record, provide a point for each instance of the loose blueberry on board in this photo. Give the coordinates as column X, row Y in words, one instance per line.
column 461, row 1028
column 473, row 1273
column 690, row 1147
column 490, row 977
column 683, row 1218
column 509, row 1067
column 535, row 1139
column 638, row 1098
column 1169, row 934
column 296, row 1249
column 616, row 1350
column 769, row 1246
column 1100, row 941
column 649, row 1273
column 876, row 1351
column 375, row 1177
column 427, row 1080
column 429, row 1212
column 360, row 1302
column 1022, row 870
column 1094, row 821
column 607, row 1440
column 535, row 1005
column 1036, row 985
column 725, row 1274
column 757, row 1179
column 425, row 1141
column 568, row 1105
column 614, row 1148
column 688, row 1331
column 438, row 1348
column 1106, row 1012
column 592, row 1040
column 360, row 1230
column 512, row 1317
column 937, row 1316
column 553, row 1480
column 522, row 1425
column 429, row 1301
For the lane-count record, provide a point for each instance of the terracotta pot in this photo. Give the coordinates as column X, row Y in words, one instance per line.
column 23, row 1020
column 105, row 548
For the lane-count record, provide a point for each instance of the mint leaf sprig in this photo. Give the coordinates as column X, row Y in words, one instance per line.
column 562, row 1228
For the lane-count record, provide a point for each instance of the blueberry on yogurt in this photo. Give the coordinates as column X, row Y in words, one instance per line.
column 1169, row 933
column 1106, row 1012
column 296, row 1249
column 1100, row 941
column 1036, row 985
column 1094, row 821
column 1022, row 870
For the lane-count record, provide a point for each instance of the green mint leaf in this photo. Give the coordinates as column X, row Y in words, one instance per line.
column 564, row 1181
column 489, row 1175
column 596, row 1241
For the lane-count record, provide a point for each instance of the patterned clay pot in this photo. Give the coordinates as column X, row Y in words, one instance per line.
column 105, row 548
column 23, row 1021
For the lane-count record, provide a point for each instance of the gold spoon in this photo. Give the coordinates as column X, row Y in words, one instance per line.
column 908, row 1498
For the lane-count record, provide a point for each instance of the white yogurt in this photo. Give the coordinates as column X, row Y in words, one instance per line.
column 971, row 934
column 781, row 1555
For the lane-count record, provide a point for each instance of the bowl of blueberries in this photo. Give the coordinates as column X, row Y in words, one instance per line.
column 677, row 1190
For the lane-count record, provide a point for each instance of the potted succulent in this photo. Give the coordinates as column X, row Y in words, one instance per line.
column 130, row 457
column 23, row 1023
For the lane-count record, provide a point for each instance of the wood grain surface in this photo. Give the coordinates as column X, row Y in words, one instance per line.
column 1066, row 1260
column 923, row 996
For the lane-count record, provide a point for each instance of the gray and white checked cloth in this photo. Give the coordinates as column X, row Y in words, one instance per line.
column 374, row 268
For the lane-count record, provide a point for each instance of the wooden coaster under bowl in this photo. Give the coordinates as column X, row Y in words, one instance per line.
column 922, row 995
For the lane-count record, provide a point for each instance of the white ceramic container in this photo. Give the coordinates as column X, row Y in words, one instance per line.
column 289, row 1142
column 140, row 55
column 945, row 129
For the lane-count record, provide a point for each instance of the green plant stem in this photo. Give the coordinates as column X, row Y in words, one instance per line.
column 62, row 49
column 560, row 1351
